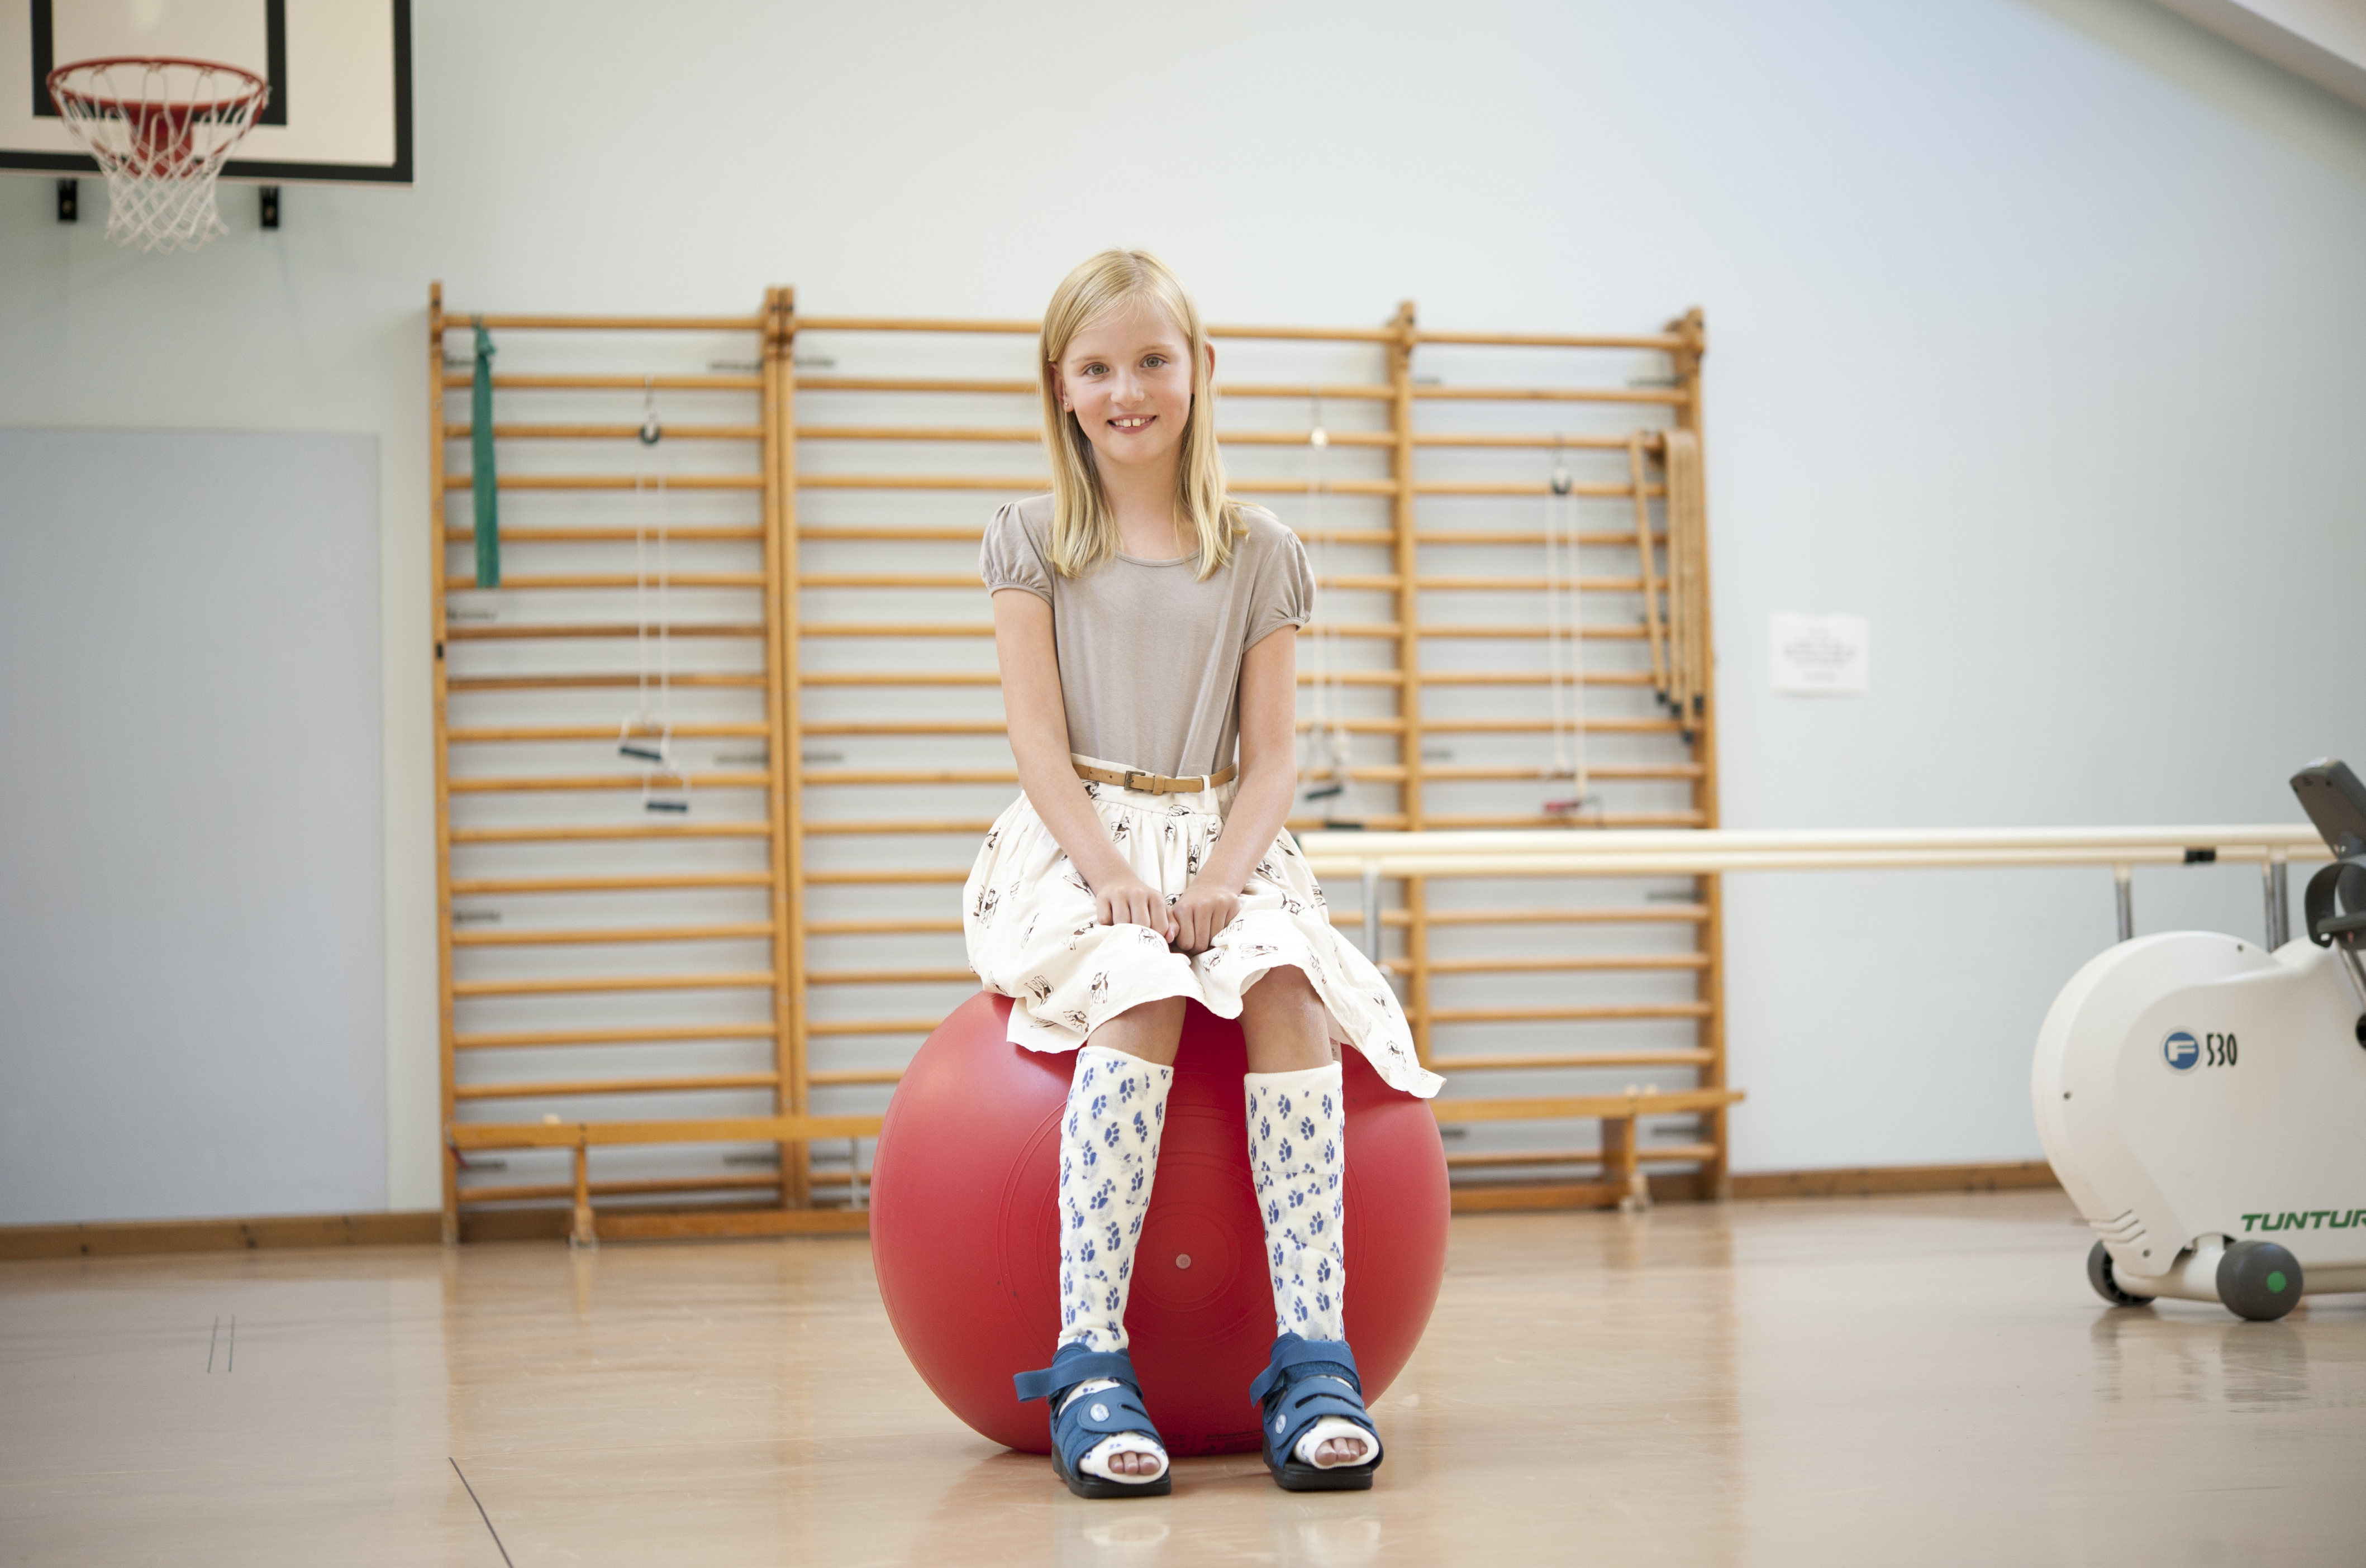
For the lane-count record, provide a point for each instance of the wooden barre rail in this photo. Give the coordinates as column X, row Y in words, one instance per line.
column 704, row 1130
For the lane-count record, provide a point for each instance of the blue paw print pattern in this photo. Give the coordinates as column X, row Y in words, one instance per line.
column 1298, row 1153
column 1108, row 1153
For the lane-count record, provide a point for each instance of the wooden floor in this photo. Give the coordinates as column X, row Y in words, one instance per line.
column 1886, row 1380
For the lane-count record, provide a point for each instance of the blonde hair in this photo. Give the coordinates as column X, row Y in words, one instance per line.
column 1084, row 530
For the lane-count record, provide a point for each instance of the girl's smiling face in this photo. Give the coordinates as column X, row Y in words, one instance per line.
column 1127, row 379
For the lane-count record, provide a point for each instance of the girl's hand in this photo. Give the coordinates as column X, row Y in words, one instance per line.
column 1130, row 901
column 1205, row 908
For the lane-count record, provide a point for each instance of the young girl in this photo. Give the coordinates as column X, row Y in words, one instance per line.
column 1146, row 625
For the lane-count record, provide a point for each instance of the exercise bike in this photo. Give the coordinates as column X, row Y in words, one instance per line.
column 2203, row 1100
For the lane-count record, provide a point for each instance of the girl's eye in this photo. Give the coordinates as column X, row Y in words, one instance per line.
column 1154, row 361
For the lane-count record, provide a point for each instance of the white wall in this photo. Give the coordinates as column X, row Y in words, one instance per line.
column 192, row 986
column 2036, row 328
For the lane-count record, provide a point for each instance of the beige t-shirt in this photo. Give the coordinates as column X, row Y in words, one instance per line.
column 1150, row 656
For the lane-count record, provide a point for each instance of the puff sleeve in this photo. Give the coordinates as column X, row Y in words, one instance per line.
column 1012, row 557
column 1284, row 590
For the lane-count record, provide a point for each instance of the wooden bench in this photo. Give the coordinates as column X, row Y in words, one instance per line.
column 1622, row 1176
column 581, row 1135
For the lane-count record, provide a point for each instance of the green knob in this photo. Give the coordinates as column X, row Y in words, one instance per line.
column 2276, row 1283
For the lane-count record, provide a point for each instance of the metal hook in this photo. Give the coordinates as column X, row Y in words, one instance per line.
column 1560, row 481
column 651, row 432
column 1318, row 436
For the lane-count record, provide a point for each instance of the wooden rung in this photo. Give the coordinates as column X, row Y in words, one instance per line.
column 1028, row 329
column 1377, row 821
column 1674, row 914
column 1517, row 677
column 871, row 532
column 1354, row 678
column 517, row 1191
column 1534, row 443
column 729, row 932
column 510, row 582
column 914, row 324
column 1468, row 772
column 1016, row 484
column 890, row 580
column 1520, row 678
column 590, row 683
column 1356, row 726
column 1525, row 584
column 1530, row 536
column 616, row 1086
column 1299, row 487
column 1666, row 343
column 906, row 726
column 490, row 886
column 897, row 830
column 874, row 1026
column 482, row 735
column 880, row 928
column 1297, row 437
column 840, row 1077
column 1351, row 392
column 867, row 877
column 889, row 976
column 455, row 321
column 1590, row 1014
column 915, row 384
column 1669, row 396
column 570, row 782
column 516, row 1039
column 702, row 534
column 1522, row 487
column 562, row 985
column 1558, row 1108
column 1570, row 962
column 627, row 632
column 703, row 1130
column 899, row 678
column 1592, row 819
column 609, row 482
column 910, row 775
column 1032, row 434
column 1591, row 632
column 1354, row 918
column 653, row 829
column 462, row 381
column 607, row 432
column 896, row 628
column 1661, row 1153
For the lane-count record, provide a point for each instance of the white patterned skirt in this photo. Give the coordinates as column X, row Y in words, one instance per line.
column 1035, row 935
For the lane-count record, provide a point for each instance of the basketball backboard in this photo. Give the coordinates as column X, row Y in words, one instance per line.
column 339, row 70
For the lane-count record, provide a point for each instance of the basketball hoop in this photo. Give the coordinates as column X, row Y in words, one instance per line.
column 161, row 129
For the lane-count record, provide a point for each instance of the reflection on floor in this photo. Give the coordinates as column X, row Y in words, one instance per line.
column 1887, row 1380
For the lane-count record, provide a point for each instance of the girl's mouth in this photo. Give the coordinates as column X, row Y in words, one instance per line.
column 1133, row 421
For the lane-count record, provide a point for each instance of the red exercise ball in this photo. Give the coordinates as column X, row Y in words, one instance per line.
column 965, row 1231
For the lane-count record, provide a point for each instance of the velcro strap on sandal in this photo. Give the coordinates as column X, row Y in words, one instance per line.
column 1291, row 1352
column 1068, row 1371
column 1106, row 1412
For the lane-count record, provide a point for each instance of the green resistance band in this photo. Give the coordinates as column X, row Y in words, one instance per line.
column 480, row 464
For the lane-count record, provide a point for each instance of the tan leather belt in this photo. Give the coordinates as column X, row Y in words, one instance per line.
column 1156, row 784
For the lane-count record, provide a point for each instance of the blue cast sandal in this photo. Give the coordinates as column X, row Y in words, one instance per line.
column 1305, row 1380
column 1081, row 1424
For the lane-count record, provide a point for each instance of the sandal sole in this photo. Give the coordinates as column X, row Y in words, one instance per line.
column 1295, row 1475
column 1100, row 1486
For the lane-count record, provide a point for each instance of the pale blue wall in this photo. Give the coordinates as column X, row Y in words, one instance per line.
column 2037, row 336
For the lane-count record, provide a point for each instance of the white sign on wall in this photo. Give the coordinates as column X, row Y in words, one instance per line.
column 1822, row 655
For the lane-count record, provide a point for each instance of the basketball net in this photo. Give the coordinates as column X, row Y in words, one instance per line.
column 160, row 130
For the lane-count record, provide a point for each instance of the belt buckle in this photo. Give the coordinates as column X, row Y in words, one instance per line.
column 1130, row 775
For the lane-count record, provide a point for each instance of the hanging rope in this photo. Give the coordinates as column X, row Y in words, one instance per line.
column 648, row 737
column 1332, row 753
column 1687, row 579
column 481, row 478
column 1564, row 638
